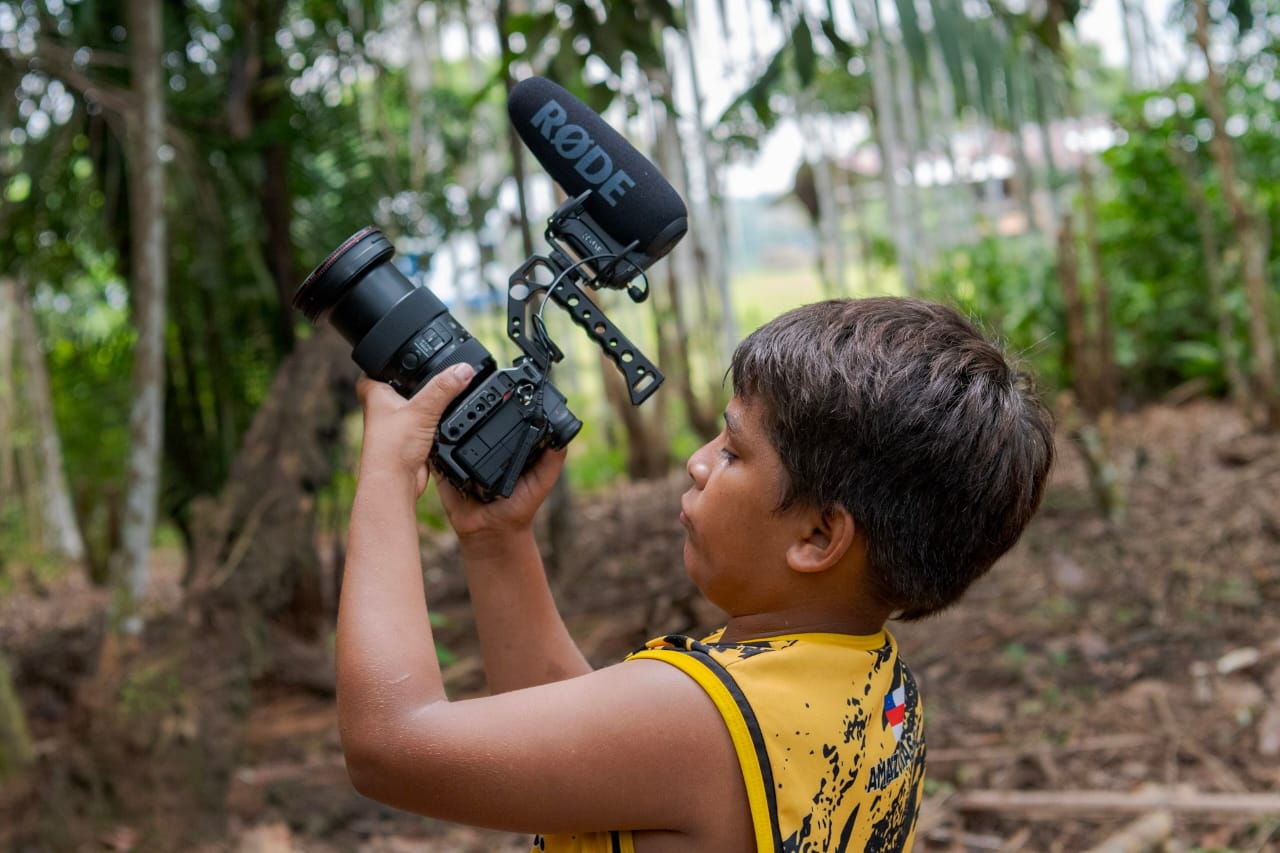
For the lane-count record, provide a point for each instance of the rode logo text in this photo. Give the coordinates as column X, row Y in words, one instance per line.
column 573, row 143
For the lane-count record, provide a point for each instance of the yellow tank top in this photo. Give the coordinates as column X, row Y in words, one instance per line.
column 828, row 732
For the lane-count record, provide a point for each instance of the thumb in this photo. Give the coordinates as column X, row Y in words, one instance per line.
column 442, row 388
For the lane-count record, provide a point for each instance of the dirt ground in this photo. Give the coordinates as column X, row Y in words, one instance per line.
column 1100, row 673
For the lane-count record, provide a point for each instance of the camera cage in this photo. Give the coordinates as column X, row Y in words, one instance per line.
column 582, row 255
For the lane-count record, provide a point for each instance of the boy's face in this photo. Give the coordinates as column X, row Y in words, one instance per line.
column 736, row 543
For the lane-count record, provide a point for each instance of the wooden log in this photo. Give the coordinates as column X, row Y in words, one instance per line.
column 1058, row 803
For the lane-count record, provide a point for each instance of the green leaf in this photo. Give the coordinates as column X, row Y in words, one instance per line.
column 948, row 24
column 1242, row 11
column 802, row 43
column 912, row 38
column 844, row 50
column 756, row 96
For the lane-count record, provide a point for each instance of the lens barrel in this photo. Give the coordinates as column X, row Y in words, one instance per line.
column 400, row 334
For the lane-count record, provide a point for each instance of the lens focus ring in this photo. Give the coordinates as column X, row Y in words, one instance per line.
column 327, row 282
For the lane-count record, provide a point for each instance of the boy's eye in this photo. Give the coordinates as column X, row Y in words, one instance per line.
column 728, row 454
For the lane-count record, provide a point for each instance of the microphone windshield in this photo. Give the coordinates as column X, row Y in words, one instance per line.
column 630, row 199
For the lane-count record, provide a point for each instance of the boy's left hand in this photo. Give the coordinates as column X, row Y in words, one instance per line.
column 472, row 519
column 398, row 433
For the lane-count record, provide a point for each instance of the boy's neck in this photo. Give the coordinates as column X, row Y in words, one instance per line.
column 804, row 620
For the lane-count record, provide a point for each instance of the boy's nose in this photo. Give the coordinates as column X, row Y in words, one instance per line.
column 698, row 466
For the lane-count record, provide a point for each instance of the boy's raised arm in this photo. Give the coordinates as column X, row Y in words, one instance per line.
column 580, row 754
column 523, row 638
column 385, row 651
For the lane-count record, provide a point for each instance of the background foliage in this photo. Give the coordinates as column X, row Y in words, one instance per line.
column 293, row 123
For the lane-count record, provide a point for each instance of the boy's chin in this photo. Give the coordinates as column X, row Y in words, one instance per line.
column 689, row 559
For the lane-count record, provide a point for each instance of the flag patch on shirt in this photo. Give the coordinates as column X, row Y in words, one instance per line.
column 895, row 710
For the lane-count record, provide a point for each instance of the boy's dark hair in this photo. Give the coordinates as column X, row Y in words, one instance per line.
column 901, row 412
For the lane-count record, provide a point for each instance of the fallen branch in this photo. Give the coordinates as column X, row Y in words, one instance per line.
column 1146, row 833
column 1056, row 803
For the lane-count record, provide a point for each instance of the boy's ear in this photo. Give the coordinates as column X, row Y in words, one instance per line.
column 830, row 536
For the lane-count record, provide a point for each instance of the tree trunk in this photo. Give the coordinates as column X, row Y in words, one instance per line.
column 866, row 256
column 1045, row 124
column 1025, row 178
column 670, row 309
column 889, row 142
column 160, row 721
column 700, row 253
column 148, row 259
column 8, row 307
column 1237, row 384
column 1151, row 78
column 61, row 533
column 645, row 432
column 710, row 243
column 1078, row 350
column 254, row 547
column 907, row 112
column 958, row 207
column 1090, row 422
column 701, row 414
column 1107, row 381
column 831, row 242
column 1248, row 235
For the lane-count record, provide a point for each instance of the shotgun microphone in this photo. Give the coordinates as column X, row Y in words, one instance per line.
column 629, row 199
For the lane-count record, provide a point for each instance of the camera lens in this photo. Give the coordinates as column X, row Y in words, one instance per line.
column 401, row 334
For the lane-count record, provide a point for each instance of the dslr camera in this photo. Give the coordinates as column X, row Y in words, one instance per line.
column 404, row 335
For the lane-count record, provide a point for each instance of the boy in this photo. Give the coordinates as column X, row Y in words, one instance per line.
column 878, row 455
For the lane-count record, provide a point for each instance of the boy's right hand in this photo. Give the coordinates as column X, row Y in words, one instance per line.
column 471, row 518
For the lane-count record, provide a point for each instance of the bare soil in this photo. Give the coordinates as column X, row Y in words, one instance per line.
column 1134, row 658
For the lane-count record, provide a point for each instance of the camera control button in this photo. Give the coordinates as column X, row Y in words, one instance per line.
column 410, row 360
column 433, row 340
